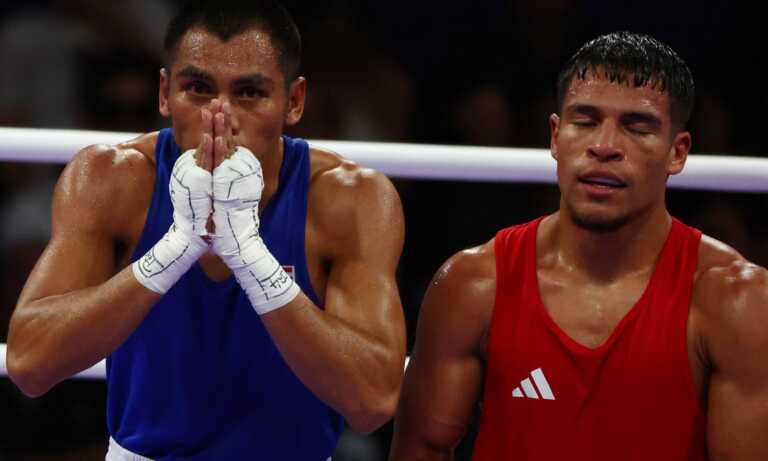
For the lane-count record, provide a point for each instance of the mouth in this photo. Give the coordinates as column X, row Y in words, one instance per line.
column 601, row 181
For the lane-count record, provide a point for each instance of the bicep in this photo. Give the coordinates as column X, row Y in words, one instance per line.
column 443, row 383
column 440, row 393
column 368, row 240
column 80, row 252
column 68, row 264
column 737, row 419
column 737, row 345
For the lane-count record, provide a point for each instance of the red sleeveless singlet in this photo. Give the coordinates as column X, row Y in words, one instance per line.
column 547, row 397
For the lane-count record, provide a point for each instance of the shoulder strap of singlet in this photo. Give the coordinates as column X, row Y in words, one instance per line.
column 512, row 246
column 677, row 263
column 293, row 176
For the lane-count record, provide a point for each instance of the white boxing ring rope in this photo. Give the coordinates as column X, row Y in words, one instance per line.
column 417, row 161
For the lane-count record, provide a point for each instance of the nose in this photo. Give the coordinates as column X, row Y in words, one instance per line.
column 606, row 144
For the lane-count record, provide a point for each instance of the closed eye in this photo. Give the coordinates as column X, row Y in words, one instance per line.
column 641, row 130
column 641, row 123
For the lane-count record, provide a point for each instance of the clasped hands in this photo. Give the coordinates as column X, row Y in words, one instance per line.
column 216, row 188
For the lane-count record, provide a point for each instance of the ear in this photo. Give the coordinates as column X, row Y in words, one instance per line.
column 297, row 93
column 554, row 129
column 165, row 82
column 678, row 152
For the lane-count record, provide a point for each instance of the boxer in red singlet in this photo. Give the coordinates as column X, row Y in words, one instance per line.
column 607, row 330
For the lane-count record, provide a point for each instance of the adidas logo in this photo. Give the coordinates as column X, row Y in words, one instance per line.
column 530, row 391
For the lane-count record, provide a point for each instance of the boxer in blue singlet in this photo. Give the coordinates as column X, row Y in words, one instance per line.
column 240, row 283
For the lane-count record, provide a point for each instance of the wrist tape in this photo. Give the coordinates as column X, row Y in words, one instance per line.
column 190, row 189
column 237, row 186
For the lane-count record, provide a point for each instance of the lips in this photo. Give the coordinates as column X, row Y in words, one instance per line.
column 602, row 180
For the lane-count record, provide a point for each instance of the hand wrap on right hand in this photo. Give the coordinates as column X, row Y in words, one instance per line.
column 237, row 186
column 190, row 188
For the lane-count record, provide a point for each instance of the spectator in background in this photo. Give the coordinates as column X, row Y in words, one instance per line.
column 43, row 46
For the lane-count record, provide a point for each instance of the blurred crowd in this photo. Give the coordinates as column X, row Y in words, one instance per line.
column 479, row 73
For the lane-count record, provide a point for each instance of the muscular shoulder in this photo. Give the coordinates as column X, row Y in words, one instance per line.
column 102, row 184
column 461, row 296
column 722, row 270
column 344, row 197
column 100, row 165
column 342, row 184
column 731, row 298
column 469, row 274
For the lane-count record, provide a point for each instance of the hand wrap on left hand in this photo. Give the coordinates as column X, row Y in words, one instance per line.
column 237, row 186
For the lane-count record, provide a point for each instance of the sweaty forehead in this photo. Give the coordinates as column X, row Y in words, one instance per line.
column 598, row 90
column 246, row 52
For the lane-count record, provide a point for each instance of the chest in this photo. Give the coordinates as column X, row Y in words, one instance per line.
column 628, row 338
column 589, row 313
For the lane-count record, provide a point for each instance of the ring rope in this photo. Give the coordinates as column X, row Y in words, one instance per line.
column 417, row 161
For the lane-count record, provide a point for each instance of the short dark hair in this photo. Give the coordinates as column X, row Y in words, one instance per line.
column 637, row 60
column 227, row 18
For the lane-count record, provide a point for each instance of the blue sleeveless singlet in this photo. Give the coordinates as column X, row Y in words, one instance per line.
column 200, row 378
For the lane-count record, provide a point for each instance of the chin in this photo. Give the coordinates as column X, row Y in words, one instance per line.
column 598, row 222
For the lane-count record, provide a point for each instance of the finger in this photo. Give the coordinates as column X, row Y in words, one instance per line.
column 220, row 147
column 204, row 155
column 229, row 129
column 206, row 146
column 221, row 150
column 215, row 106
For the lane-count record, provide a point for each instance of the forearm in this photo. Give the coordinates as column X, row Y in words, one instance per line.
column 52, row 338
column 419, row 433
column 419, row 438
column 412, row 442
column 356, row 373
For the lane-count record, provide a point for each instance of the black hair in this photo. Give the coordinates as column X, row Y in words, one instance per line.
column 227, row 18
column 637, row 60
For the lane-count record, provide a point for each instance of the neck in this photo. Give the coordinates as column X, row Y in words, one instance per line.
column 607, row 256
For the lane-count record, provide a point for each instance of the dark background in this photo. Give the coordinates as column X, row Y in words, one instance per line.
column 479, row 73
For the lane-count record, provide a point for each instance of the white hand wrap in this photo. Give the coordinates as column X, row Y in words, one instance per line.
column 182, row 245
column 237, row 186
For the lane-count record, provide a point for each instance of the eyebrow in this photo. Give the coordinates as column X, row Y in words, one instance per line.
column 584, row 109
column 192, row 72
column 641, row 117
column 254, row 80
column 195, row 73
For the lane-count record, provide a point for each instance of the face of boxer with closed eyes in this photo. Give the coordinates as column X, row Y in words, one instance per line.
column 243, row 71
column 615, row 147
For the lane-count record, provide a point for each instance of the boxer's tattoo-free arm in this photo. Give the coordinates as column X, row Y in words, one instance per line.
column 443, row 383
column 77, row 305
column 734, row 302
column 351, row 353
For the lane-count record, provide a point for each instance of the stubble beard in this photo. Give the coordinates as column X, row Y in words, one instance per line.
column 597, row 223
